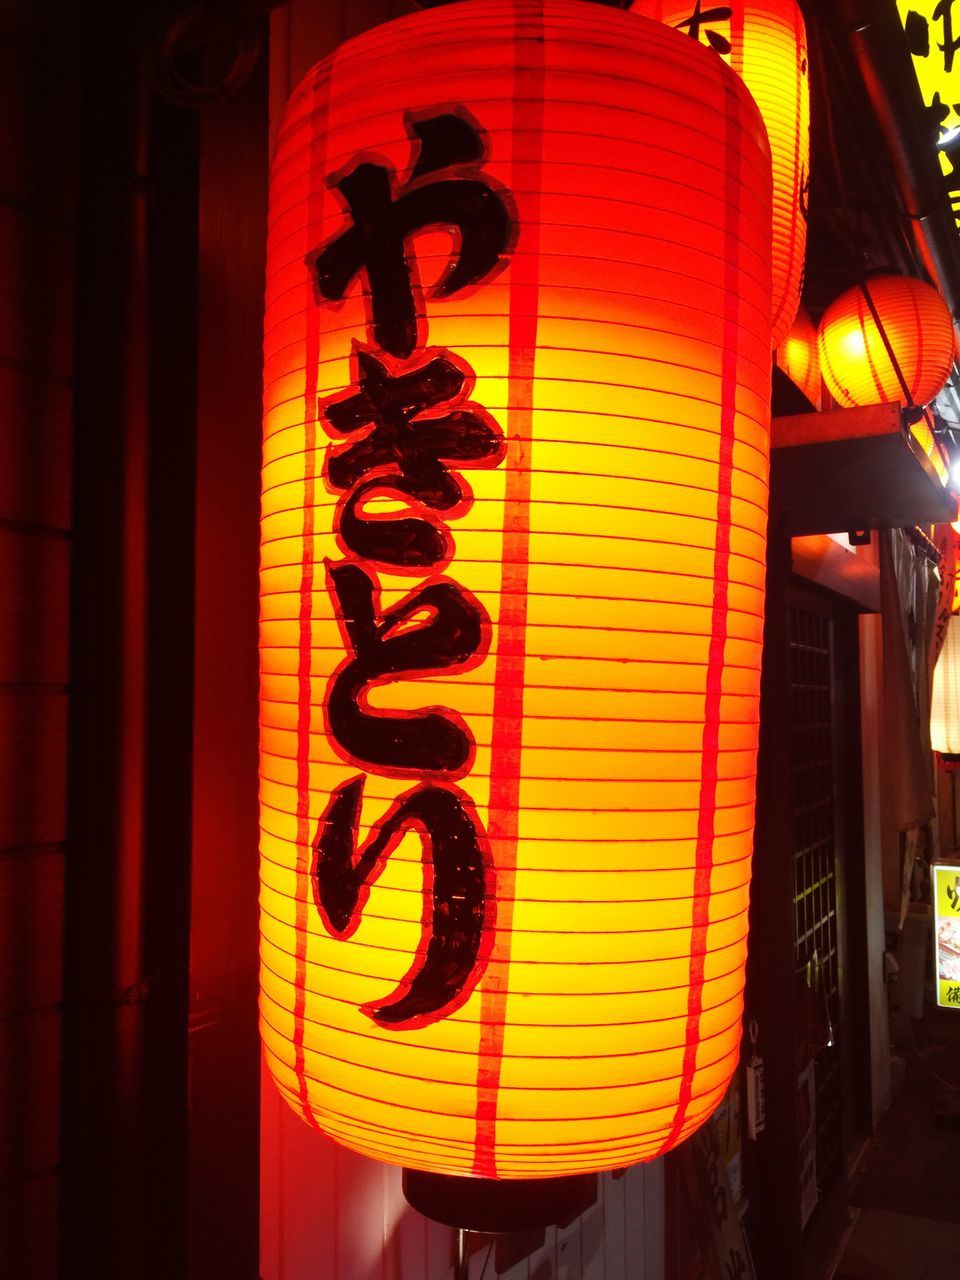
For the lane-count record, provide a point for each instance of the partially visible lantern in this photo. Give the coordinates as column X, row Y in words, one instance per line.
column 917, row 329
column 945, row 700
column 514, row 511
column 799, row 358
column 765, row 42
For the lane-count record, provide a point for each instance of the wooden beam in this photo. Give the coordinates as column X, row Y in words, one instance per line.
column 852, row 469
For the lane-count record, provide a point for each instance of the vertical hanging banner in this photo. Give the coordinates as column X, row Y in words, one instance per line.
column 515, row 472
column 765, row 41
column 932, row 30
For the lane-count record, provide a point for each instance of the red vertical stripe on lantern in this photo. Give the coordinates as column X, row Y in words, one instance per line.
column 317, row 165
column 506, row 740
column 709, row 756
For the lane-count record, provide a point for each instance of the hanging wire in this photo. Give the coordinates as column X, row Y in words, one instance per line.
column 865, row 290
column 486, row 1259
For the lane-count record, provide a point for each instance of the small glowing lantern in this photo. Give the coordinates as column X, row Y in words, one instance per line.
column 945, row 701
column 855, row 356
column 799, row 357
column 514, row 509
column 765, row 41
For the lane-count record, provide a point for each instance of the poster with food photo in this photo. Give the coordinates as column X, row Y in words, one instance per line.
column 947, row 934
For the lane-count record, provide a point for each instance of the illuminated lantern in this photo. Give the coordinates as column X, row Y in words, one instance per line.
column 855, row 359
column 514, row 507
column 799, row 358
column 945, row 702
column 765, row 42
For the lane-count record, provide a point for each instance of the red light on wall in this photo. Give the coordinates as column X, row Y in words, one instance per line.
column 765, row 41
column 855, row 358
column 514, row 511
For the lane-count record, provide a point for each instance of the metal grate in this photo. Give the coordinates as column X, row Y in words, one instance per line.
column 813, row 756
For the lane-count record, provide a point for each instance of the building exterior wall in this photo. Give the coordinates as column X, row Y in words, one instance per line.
column 38, row 209
column 326, row 1211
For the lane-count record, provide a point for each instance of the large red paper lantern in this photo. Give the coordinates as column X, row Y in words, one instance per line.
column 514, row 509
column 915, row 328
column 765, row 42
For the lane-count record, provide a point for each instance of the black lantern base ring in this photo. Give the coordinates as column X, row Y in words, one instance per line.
column 493, row 1205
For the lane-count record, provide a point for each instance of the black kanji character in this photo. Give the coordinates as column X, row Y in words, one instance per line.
column 917, row 30
column 449, row 962
column 700, row 17
column 405, row 453
column 944, row 13
column 439, row 627
column 376, row 243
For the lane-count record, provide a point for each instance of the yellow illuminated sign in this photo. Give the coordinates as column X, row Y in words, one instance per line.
column 932, row 29
column 946, row 880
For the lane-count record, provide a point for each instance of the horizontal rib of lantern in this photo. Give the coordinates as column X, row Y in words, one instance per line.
column 619, row 552
column 855, row 359
column 765, row 42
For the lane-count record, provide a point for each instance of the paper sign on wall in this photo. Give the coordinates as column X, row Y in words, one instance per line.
column 946, row 888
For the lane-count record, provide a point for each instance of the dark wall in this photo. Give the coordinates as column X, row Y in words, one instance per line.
column 39, row 99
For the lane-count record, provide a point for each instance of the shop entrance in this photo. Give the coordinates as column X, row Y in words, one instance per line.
column 807, row 970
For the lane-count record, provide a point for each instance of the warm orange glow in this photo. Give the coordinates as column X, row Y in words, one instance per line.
column 799, row 358
column 765, row 42
column 853, row 356
column 945, row 703
column 614, row 552
column 923, row 433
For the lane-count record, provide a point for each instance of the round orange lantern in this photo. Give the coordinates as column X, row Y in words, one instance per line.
column 514, row 509
column 917, row 331
column 765, row 42
column 799, row 357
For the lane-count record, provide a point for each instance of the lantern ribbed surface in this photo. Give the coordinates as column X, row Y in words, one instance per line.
column 854, row 358
column 945, row 702
column 765, row 42
column 799, row 357
column 611, row 551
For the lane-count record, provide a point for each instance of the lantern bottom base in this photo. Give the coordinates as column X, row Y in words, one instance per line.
column 495, row 1205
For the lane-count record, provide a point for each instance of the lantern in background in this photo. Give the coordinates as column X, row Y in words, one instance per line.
column 945, row 701
column 765, row 42
column 799, row 358
column 855, row 358
column 514, row 510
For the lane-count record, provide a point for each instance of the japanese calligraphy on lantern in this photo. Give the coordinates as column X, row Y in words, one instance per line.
column 408, row 422
column 932, row 29
column 946, row 898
